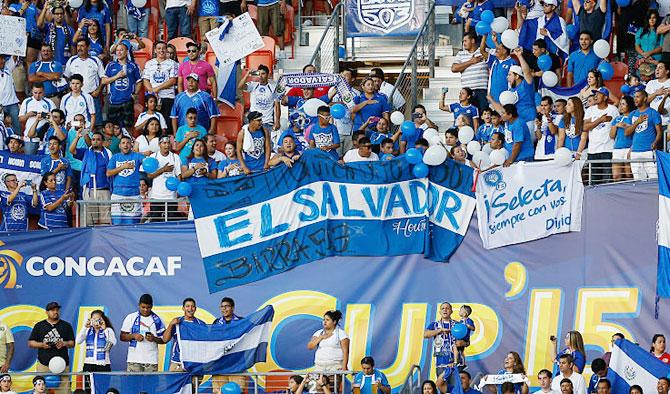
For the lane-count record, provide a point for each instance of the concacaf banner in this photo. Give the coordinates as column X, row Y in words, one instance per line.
column 366, row 18
column 253, row 227
column 529, row 201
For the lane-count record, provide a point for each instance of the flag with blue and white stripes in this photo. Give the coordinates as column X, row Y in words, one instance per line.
column 225, row 348
column 632, row 364
column 663, row 275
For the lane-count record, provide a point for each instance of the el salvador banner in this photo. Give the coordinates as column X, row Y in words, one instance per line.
column 558, row 92
column 529, row 201
column 634, row 365
column 159, row 383
column 253, row 227
column 229, row 348
column 663, row 280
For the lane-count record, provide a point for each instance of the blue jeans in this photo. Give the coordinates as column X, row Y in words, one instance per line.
column 176, row 17
column 139, row 27
column 13, row 112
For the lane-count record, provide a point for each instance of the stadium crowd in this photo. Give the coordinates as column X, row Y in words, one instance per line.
column 144, row 331
column 72, row 100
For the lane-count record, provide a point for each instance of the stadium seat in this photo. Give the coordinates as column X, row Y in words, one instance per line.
column 614, row 84
column 265, row 56
column 180, row 45
column 144, row 55
column 210, row 57
column 229, row 123
column 154, row 23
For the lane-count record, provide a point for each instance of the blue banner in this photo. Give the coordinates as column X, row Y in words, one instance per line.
column 25, row 167
column 596, row 280
column 179, row 383
column 250, row 228
column 663, row 283
column 371, row 18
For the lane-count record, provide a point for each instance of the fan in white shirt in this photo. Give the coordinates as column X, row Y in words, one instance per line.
column 565, row 367
column 544, row 378
column 362, row 153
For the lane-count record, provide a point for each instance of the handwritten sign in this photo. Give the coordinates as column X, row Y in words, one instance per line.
column 13, row 32
column 241, row 40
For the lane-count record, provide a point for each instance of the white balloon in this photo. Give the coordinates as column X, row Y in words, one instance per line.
column 465, row 134
column 510, row 39
column 481, row 159
column 498, row 156
column 435, row 140
column 57, row 365
column 75, row 3
column 429, row 133
column 397, row 118
column 499, row 24
column 487, row 148
column 601, row 48
column 435, row 155
column 508, row 97
column 549, row 79
column 311, row 106
column 563, row 156
column 473, row 147
column 139, row 3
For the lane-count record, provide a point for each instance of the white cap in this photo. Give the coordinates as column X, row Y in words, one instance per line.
column 516, row 70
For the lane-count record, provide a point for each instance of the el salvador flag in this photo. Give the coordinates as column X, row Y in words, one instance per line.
column 559, row 92
column 663, row 275
column 225, row 348
column 632, row 364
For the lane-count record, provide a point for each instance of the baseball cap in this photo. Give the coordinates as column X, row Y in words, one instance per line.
column 15, row 137
column 516, row 70
column 552, row 2
column 52, row 305
column 601, row 90
column 253, row 115
column 636, row 88
column 194, row 76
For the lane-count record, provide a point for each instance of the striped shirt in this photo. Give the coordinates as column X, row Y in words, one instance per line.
column 476, row 76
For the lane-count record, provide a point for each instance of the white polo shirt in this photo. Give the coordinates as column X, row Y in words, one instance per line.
column 157, row 73
column 74, row 105
column 90, row 68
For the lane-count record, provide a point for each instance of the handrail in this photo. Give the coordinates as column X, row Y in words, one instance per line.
column 409, row 387
column 411, row 57
column 334, row 19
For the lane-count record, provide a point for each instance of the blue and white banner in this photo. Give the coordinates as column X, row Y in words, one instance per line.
column 529, row 201
column 663, row 283
column 369, row 18
column 25, row 167
column 174, row 383
column 253, row 227
column 559, row 92
column 229, row 348
column 632, row 364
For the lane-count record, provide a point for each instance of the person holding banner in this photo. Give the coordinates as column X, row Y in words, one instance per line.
column 253, row 145
column 14, row 204
column 189, row 308
column 512, row 365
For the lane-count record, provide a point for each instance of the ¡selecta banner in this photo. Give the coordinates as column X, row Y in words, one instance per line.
column 367, row 18
column 253, row 227
column 529, row 201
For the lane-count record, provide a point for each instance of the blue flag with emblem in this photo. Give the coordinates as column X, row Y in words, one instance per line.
column 632, row 365
column 663, row 275
column 253, row 227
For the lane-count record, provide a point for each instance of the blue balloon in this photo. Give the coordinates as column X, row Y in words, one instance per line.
column 625, row 89
column 573, row 31
column 338, row 111
column 482, row 28
column 420, row 170
column 231, row 388
column 623, row 3
column 184, row 189
column 487, row 16
column 172, row 183
column 413, row 156
column 387, row 156
column 52, row 381
column 606, row 70
column 544, row 62
column 408, row 129
column 489, row 42
column 341, row 52
column 459, row 331
column 150, row 165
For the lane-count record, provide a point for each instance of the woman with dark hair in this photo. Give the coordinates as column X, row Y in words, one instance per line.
column 199, row 167
column 230, row 166
column 658, row 348
column 369, row 103
column 463, row 107
column 293, row 384
column 635, row 389
column 571, row 132
column 574, row 346
column 647, row 43
column 90, row 29
column 97, row 10
column 151, row 111
column 147, row 143
column 331, row 344
column 511, row 365
column 429, row 387
column 54, row 202
column 622, row 143
column 98, row 335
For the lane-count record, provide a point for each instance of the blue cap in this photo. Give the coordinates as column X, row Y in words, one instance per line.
column 636, row 88
column 601, row 90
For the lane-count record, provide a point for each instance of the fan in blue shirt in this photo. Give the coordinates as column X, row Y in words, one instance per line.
column 46, row 69
column 499, row 63
column 600, row 371
column 368, row 104
column 55, row 163
column 193, row 97
column 54, row 203
column 123, row 77
column 370, row 376
column 517, row 137
column 581, row 61
column 198, row 167
column 14, row 204
column 463, row 107
column 124, row 170
column 324, row 135
column 645, row 127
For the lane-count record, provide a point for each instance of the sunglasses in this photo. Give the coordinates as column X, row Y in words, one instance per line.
column 192, row 51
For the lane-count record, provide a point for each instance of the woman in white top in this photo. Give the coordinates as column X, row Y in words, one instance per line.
column 331, row 344
column 150, row 113
column 147, row 143
column 98, row 335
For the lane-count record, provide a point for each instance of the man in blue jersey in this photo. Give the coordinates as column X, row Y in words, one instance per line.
column 124, row 80
column 439, row 332
column 499, row 62
column 324, row 135
column 517, row 137
column 582, row 60
column 193, row 97
column 94, row 181
column 124, row 169
column 600, row 372
column 646, row 131
column 189, row 307
column 55, row 163
column 370, row 377
column 50, row 73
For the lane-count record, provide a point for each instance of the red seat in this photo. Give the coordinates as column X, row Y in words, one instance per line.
column 210, row 57
column 614, row 84
column 229, row 123
column 265, row 56
column 180, row 45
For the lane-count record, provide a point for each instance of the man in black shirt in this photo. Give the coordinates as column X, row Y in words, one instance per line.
column 52, row 337
column 591, row 16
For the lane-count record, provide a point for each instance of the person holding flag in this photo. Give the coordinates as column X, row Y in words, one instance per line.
column 189, row 308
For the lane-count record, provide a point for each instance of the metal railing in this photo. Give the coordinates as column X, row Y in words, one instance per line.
column 412, row 384
column 596, row 172
column 326, row 56
column 130, row 211
column 419, row 64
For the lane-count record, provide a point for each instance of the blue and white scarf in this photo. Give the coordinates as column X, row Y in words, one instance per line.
column 313, row 80
column 92, row 347
column 222, row 320
column 136, row 326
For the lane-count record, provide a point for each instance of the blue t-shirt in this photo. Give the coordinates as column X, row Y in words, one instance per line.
column 228, row 162
column 324, row 136
column 376, row 138
column 411, row 141
column 572, row 139
column 60, row 38
column 645, row 132
column 365, row 382
column 75, row 163
column 470, row 111
column 208, row 8
column 14, row 215
column 593, row 382
column 476, row 13
column 498, row 77
column 484, row 133
column 30, row 14
column 181, row 135
column 443, row 343
column 56, row 218
column 580, row 64
column 377, row 109
column 577, row 358
column 518, row 132
column 201, row 101
column 96, row 47
column 127, row 182
column 49, row 67
column 526, row 103
column 48, row 165
column 201, row 175
column 468, row 322
column 255, row 160
column 103, row 16
column 121, row 91
column 621, row 141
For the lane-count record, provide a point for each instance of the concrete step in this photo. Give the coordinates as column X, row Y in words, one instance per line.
column 434, row 92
